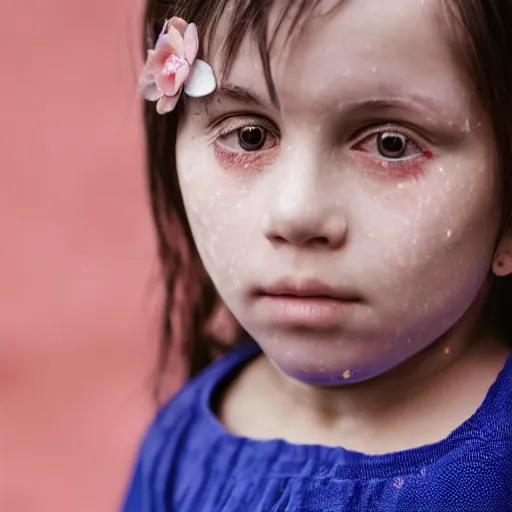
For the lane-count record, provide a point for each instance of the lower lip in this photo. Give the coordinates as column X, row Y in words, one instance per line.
column 305, row 311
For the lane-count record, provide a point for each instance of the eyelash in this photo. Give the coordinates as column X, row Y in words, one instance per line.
column 258, row 158
column 412, row 165
column 251, row 160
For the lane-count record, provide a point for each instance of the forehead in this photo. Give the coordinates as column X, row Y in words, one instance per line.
column 351, row 48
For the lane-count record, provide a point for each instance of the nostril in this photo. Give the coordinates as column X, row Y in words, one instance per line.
column 321, row 240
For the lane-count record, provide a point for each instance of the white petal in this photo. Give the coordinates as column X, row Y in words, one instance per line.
column 201, row 81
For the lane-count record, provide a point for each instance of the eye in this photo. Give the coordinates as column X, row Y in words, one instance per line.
column 390, row 145
column 252, row 138
column 240, row 136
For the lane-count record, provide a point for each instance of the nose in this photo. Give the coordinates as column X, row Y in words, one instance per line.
column 305, row 213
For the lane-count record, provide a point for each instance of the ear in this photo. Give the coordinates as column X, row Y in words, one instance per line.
column 502, row 263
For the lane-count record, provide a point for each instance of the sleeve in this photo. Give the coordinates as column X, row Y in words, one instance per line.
column 134, row 500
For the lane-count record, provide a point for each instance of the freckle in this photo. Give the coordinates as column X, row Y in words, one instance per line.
column 447, row 350
column 347, row 374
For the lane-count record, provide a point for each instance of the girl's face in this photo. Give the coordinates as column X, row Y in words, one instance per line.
column 350, row 227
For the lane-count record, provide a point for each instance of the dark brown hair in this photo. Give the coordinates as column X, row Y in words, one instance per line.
column 481, row 32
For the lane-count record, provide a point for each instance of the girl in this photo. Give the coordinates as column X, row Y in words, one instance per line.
column 343, row 170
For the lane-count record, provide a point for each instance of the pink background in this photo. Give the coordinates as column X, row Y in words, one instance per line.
column 77, row 262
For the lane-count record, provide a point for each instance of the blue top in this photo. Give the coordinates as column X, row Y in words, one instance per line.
column 189, row 463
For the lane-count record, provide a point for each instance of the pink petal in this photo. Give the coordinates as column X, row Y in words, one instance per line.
column 178, row 23
column 153, row 65
column 150, row 56
column 144, row 81
column 167, row 103
column 151, row 92
column 171, row 84
column 182, row 75
column 191, row 43
column 170, row 43
column 147, row 71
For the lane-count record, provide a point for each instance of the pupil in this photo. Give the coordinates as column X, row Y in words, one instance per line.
column 251, row 138
column 392, row 144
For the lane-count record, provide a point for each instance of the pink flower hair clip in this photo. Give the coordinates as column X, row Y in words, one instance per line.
column 172, row 67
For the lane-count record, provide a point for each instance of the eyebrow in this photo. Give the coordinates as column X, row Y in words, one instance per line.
column 236, row 94
column 404, row 101
column 240, row 94
column 374, row 103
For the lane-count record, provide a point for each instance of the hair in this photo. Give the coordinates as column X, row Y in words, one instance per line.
column 481, row 36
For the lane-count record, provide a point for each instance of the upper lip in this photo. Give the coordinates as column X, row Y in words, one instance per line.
column 305, row 288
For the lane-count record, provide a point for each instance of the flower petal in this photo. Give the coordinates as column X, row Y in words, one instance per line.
column 151, row 92
column 144, row 80
column 169, row 43
column 191, row 43
column 202, row 80
column 179, row 23
column 147, row 75
column 155, row 61
column 167, row 84
column 182, row 75
column 172, row 83
column 167, row 103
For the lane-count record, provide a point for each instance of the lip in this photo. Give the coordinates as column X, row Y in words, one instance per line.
column 305, row 289
column 308, row 303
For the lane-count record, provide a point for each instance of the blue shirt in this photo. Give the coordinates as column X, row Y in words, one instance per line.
column 189, row 463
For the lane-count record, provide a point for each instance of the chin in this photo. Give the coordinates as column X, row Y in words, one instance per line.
column 333, row 375
column 319, row 362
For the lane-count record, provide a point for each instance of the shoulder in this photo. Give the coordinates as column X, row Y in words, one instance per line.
column 196, row 393
column 181, row 428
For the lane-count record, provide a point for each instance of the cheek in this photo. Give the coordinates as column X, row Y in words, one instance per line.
column 217, row 213
column 434, row 239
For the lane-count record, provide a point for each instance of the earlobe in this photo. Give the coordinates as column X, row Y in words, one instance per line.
column 502, row 263
column 499, row 267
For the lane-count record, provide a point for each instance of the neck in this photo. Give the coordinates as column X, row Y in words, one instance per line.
column 442, row 386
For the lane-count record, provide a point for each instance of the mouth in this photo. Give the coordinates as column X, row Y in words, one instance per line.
column 305, row 303
column 305, row 290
